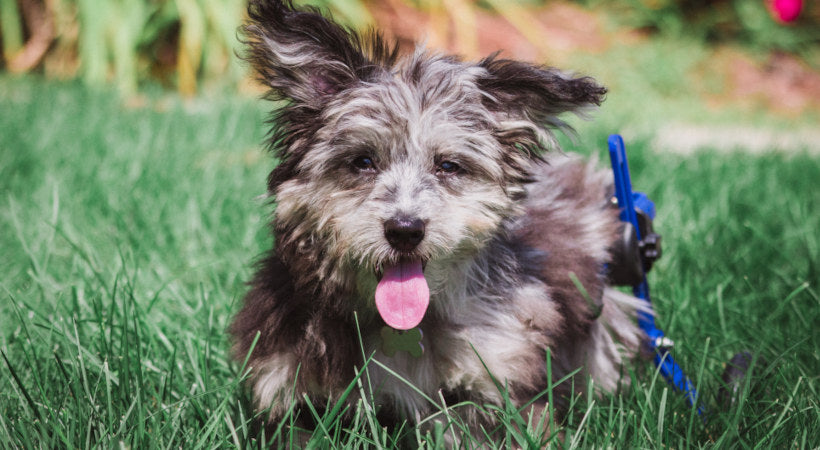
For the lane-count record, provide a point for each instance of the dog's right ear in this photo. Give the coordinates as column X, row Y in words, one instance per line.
column 305, row 57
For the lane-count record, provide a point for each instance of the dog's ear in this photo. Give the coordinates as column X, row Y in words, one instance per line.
column 305, row 57
column 528, row 99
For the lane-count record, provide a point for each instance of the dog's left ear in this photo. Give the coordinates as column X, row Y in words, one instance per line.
column 305, row 57
column 528, row 99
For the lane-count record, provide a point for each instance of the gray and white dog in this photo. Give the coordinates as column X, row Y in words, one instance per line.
column 421, row 218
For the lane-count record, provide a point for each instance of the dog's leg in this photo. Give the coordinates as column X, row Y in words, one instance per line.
column 614, row 338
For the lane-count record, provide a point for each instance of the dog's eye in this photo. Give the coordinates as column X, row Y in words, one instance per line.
column 448, row 168
column 363, row 164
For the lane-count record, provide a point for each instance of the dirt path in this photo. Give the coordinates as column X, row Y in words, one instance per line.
column 688, row 138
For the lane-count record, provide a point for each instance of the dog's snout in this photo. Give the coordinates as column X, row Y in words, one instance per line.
column 404, row 234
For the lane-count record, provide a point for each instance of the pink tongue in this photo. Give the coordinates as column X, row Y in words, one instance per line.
column 402, row 295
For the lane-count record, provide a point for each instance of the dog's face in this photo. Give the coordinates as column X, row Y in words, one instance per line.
column 404, row 169
column 388, row 165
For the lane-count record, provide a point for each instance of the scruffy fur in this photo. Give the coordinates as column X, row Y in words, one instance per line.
column 467, row 148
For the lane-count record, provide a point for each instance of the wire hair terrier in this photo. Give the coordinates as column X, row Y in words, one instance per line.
column 421, row 218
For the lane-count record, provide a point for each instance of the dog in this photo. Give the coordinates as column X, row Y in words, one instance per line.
column 425, row 217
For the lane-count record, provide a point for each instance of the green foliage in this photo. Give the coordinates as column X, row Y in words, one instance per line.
column 179, row 43
column 747, row 22
column 759, row 30
column 129, row 42
column 185, row 43
column 11, row 28
column 127, row 235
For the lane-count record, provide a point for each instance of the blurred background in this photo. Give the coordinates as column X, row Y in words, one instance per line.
column 131, row 149
column 756, row 53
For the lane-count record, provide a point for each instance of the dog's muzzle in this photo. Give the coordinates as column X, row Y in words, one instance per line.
column 402, row 294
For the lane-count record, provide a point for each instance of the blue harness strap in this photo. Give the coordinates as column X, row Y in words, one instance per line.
column 631, row 204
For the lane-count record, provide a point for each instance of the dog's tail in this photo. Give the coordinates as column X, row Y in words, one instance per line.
column 616, row 338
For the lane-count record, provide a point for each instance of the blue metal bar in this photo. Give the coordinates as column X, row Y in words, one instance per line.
column 666, row 365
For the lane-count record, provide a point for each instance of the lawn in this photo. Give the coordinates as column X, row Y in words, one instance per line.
column 127, row 230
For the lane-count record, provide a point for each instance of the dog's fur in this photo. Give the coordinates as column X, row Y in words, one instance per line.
column 366, row 136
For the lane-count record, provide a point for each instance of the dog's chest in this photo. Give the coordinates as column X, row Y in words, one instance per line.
column 456, row 358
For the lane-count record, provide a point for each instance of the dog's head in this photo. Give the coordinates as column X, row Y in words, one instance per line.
column 388, row 163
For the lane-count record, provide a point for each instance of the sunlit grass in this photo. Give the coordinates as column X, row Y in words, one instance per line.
column 127, row 234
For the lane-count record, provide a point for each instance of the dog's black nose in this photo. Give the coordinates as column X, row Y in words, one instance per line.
column 404, row 234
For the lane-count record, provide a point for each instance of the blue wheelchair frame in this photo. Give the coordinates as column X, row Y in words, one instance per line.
column 631, row 204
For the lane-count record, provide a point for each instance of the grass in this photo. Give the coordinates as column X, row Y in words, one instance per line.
column 127, row 234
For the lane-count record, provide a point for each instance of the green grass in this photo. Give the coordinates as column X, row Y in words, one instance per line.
column 127, row 233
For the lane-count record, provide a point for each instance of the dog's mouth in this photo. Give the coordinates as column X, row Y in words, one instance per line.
column 402, row 295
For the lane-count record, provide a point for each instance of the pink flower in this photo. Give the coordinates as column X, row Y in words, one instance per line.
column 785, row 10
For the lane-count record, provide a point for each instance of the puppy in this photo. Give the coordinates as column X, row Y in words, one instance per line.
column 422, row 219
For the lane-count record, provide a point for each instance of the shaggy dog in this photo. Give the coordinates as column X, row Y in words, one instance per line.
column 421, row 219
